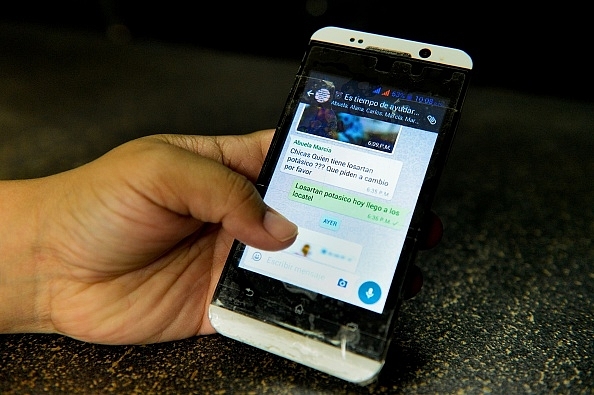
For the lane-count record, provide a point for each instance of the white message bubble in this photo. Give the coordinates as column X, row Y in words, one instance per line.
column 334, row 164
column 328, row 250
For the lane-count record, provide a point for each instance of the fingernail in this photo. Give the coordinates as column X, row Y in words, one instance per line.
column 278, row 226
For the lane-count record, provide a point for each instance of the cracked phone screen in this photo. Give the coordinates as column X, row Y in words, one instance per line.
column 350, row 161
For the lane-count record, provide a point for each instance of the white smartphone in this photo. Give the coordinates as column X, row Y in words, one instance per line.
column 355, row 163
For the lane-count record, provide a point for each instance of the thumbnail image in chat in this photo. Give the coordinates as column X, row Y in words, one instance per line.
column 348, row 128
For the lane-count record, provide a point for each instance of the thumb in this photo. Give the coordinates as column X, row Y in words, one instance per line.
column 209, row 191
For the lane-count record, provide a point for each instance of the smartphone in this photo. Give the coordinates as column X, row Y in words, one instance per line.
column 354, row 162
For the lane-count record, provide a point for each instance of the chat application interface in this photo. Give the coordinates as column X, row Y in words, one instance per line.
column 349, row 176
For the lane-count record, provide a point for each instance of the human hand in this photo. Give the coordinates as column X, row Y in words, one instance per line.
column 430, row 236
column 132, row 244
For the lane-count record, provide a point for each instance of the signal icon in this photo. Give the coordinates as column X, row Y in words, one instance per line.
column 386, row 93
column 377, row 91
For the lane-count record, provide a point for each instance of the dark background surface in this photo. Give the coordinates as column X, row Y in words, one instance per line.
column 540, row 49
column 508, row 300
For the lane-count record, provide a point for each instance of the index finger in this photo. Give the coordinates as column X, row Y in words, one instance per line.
column 242, row 153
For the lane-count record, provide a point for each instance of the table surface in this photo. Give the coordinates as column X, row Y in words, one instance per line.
column 507, row 304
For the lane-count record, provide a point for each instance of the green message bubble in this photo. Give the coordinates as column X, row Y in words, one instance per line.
column 346, row 204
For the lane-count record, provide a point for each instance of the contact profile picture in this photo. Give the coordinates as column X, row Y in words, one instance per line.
column 322, row 95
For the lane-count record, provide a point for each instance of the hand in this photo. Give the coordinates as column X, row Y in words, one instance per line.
column 430, row 236
column 131, row 245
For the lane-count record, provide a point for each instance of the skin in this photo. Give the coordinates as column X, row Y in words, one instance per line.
column 128, row 248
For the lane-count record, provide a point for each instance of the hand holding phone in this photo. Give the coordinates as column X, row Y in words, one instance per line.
column 355, row 163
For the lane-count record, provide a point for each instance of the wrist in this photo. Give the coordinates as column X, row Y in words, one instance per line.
column 23, row 282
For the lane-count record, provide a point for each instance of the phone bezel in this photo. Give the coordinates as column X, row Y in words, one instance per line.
column 289, row 342
column 369, row 41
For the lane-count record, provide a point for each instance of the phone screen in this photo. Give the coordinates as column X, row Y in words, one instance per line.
column 354, row 163
column 349, row 175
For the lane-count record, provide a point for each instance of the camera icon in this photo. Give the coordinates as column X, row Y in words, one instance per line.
column 342, row 283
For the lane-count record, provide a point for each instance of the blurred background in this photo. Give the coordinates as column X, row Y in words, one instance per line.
column 537, row 49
